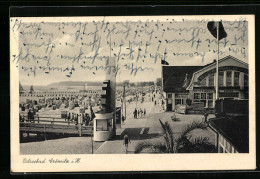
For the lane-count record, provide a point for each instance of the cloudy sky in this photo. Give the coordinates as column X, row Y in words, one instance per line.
column 52, row 48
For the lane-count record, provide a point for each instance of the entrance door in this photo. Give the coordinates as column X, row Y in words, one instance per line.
column 169, row 105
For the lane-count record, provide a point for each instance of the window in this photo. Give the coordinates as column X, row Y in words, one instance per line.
column 229, row 78
column 178, row 101
column 210, row 104
column 205, row 98
column 246, row 80
column 196, row 95
column 220, row 149
column 229, row 147
column 211, row 80
column 203, row 82
column 209, row 95
column 169, row 95
column 203, row 95
column 236, row 78
column 101, row 125
column 229, row 95
column 221, row 139
column 221, row 78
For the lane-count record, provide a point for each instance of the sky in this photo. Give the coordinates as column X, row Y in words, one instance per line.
column 50, row 48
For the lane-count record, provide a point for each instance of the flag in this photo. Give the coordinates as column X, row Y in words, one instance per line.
column 212, row 26
column 164, row 62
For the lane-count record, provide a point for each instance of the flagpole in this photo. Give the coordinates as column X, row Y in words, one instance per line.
column 217, row 93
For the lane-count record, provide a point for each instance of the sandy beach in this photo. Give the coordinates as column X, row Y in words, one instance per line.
column 70, row 145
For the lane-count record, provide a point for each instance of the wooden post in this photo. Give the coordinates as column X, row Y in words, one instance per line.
column 45, row 132
column 79, row 128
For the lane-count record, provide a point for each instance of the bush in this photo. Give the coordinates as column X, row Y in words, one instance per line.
column 188, row 101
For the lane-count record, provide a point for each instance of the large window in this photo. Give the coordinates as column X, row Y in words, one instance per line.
column 203, row 95
column 236, row 78
column 178, row 101
column 103, row 125
column 196, row 95
column 246, row 80
column 210, row 96
column 229, row 78
column 211, row 80
column 221, row 78
column 206, row 98
column 203, row 82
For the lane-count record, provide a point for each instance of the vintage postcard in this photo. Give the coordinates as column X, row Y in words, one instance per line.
column 132, row 93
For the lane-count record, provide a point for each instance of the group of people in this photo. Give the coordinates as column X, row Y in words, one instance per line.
column 139, row 113
column 75, row 118
column 30, row 115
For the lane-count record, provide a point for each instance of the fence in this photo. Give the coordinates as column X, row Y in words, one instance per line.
column 54, row 125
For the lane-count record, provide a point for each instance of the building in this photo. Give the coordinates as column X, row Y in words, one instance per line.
column 231, row 134
column 231, row 126
column 21, row 90
column 197, row 83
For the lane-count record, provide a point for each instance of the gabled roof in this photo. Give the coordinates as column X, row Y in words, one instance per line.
column 214, row 63
column 234, row 129
column 177, row 78
column 21, row 87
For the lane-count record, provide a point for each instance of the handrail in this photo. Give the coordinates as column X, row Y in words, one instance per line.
column 36, row 124
column 36, row 120
column 44, row 117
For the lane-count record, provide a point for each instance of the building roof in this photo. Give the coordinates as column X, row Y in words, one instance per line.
column 177, row 78
column 235, row 129
column 21, row 87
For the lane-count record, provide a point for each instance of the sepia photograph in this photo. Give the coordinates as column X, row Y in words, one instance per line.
column 138, row 86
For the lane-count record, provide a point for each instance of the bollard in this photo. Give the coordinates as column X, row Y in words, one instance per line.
column 79, row 125
column 79, row 128
column 45, row 138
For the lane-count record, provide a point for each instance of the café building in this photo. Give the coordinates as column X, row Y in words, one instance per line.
column 197, row 83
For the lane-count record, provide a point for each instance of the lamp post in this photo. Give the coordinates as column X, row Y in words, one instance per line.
column 124, row 100
column 90, row 116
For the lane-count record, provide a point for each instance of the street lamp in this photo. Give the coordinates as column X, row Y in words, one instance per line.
column 124, row 100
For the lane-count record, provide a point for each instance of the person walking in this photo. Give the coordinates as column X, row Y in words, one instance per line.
column 135, row 113
column 126, row 140
column 123, row 119
column 76, row 119
column 144, row 111
column 68, row 117
column 72, row 117
column 205, row 116
column 141, row 112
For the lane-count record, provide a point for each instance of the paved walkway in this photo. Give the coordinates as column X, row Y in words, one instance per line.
column 137, row 129
column 149, row 128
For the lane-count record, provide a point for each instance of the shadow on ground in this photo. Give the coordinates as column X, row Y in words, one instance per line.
column 134, row 134
column 40, row 137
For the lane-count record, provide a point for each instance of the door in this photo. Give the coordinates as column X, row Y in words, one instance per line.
column 169, row 104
